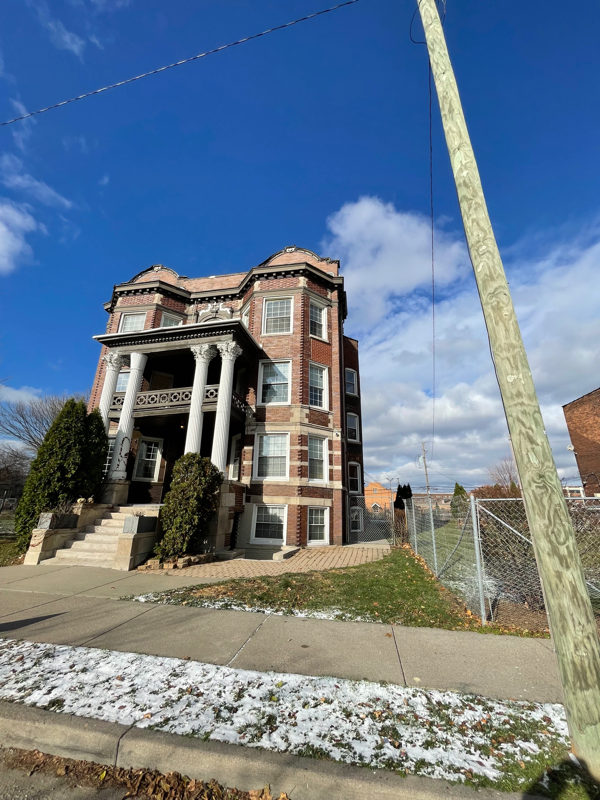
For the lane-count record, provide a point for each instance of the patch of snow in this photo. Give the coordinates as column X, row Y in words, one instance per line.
column 427, row 732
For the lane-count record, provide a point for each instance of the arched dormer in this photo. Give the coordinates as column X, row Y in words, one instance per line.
column 294, row 254
column 157, row 272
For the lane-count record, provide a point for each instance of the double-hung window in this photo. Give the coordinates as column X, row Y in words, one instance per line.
column 269, row 524
column 122, row 382
column 317, row 386
column 275, row 382
column 351, row 382
column 354, row 480
column 318, row 525
column 170, row 321
column 278, row 316
column 272, row 459
column 147, row 463
column 317, row 320
column 132, row 322
column 352, row 427
column 317, row 451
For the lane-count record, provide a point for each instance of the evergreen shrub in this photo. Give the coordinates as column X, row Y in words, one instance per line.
column 459, row 501
column 189, row 505
column 68, row 465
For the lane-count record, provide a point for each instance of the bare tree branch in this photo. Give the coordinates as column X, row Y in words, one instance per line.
column 504, row 473
column 28, row 422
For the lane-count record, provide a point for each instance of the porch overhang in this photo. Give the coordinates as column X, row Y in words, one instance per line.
column 181, row 336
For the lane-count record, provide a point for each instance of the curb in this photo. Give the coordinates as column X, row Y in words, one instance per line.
column 80, row 738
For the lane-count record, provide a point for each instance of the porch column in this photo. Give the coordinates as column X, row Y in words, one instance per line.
column 118, row 469
column 203, row 353
column 229, row 352
column 113, row 360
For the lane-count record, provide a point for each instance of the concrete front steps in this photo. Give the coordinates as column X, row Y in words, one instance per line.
column 96, row 545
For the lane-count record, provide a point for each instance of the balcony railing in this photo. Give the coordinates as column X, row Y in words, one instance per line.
column 163, row 399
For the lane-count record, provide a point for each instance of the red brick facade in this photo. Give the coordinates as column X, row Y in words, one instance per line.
column 583, row 421
column 294, row 275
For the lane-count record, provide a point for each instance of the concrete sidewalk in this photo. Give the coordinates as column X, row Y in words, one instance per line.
column 76, row 606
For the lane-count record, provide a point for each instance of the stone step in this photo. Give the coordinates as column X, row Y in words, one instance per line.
column 285, row 552
column 88, row 546
column 225, row 554
column 109, row 530
column 83, row 557
column 102, row 536
column 110, row 523
column 128, row 511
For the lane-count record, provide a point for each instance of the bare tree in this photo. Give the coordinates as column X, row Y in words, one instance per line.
column 504, row 473
column 14, row 463
column 28, row 422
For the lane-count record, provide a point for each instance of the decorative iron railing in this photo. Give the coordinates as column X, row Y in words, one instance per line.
column 174, row 398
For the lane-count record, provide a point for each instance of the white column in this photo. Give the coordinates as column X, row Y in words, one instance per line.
column 113, row 360
column 203, row 353
column 229, row 352
column 118, row 470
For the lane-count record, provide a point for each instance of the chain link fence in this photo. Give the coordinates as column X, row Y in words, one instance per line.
column 481, row 550
column 367, row 525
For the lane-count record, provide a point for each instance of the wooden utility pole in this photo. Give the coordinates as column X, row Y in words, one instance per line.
column 568, row 604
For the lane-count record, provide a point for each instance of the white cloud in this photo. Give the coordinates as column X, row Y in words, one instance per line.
column 25, row 394
column 21, row 131
column 104, row 180
column 12, row 176
column 60, row 37
column 16, row 222
column 386, row 265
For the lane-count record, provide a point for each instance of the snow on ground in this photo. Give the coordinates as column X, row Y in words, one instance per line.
column 173, row 598
column 440, row 734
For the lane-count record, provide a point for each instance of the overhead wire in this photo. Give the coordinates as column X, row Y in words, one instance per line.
column 179, row 63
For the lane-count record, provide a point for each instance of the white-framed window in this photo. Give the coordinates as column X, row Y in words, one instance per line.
column 351, row 382
column 354, row 480
column 318, row 392
column 356, row 519
column 147, row 461
column 132, row 322
column 318, row 526
column 277, row 316
column 317, row 320
column 170, row 320
column 352, row 430
column 274, row 379
column 269, row 524
column 235, row 457
column 376, row 508
column 109, row 455
column 317, row 459
column 272, row 455
column 122, row 381
column 246, row 316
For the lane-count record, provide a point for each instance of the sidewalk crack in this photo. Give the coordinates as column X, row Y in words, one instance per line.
column 398, row 653
column 248, row 639
column 125, row 732
column 110, row 630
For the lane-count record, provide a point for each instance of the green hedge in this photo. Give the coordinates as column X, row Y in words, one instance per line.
column 190, row 504
column 68, row 466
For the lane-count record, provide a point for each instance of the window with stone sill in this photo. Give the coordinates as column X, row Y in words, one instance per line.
column 132, row 322
column 170, row 321
column 275, row 382
column 317, row 386
column 318, row 526
column 316, row 458
column 272, row 461
column 269, row 524
column 278, row 316
column 317, row 320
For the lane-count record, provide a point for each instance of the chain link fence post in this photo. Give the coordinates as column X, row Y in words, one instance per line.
column 477, row 543
column 414, row 525
column 435, row 564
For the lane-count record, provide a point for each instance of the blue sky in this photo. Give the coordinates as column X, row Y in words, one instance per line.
column 316, row 136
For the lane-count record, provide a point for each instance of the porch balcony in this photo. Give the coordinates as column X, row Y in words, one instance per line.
column 173, row 401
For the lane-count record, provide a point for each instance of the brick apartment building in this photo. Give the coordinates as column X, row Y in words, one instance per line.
column 583, row 421
column 253, row 370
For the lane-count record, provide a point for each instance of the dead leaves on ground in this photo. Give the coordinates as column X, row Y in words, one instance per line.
column 136, row 783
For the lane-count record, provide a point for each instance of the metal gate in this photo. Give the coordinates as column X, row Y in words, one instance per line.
column 369, row 524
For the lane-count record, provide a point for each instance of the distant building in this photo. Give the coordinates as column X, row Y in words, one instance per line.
column 583, row 421
column 378, row 497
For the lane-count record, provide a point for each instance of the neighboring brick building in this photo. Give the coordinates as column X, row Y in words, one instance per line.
column 583, row 421
column 251, row 369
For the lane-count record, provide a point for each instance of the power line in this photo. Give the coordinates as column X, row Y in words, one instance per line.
column 179, row 63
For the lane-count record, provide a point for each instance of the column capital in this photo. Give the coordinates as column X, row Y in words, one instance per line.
column 229, row 350
column 203, row 352
column 113, row 359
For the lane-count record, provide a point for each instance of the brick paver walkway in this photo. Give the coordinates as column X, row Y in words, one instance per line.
column 308, row 560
